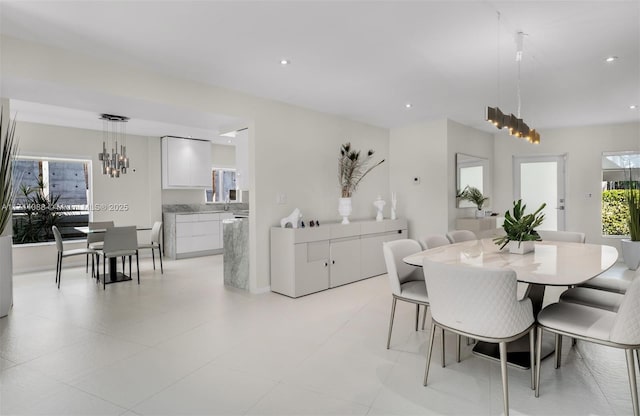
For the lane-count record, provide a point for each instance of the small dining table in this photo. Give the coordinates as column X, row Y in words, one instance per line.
column 114, row 275
column 552, row 263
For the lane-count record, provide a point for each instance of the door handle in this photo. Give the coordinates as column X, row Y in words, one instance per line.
column 333, row 262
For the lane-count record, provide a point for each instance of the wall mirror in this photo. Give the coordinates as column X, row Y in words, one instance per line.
column 471, row 171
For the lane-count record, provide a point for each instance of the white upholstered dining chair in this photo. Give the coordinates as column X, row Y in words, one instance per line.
column 119, row 242
column 62, row 253
column 567, row 236
column 619, row 329
column 154, row 244
column 433, row 241
column 458, row 236
column 95, row 240
column 407, row 281
column 478, row 303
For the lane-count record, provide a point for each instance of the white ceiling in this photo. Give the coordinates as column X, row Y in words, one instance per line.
column 363, row 59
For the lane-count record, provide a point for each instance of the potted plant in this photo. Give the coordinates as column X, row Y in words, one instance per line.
column 631, row 245
column 352, row 168
column 520, row 228
column 8, row 151
column 475, row 196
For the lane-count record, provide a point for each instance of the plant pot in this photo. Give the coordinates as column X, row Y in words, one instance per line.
column 521, row 247
column 631, row 253
column 479, row 213
column 344, row 209
column 6, row 275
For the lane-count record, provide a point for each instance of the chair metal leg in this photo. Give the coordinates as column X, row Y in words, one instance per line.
column 442, row 344
column 503, row 370
column 59, row 269
column 558, row 353
column 86, row 268
column 538, row 354
column 429, row 351
column 137, row 266
column 153, row 257
column 469, row 341
column 458, row 338
column 631, row 368
column 417, row 315
column 393, row 312
column 532, row 356
column 162, row 270
column 104, row 272
column 424, row 316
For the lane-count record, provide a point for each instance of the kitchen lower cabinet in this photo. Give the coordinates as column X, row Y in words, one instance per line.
column 308, row 260
column 194, row 234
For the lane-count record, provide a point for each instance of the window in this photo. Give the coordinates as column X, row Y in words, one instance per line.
column 223, row 187
column 50, row 192
column 619, row 171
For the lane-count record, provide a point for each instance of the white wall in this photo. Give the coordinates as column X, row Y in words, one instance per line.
column 420, row 150
column 584, row 147
column 139, row 188
column 464, row 139
column 292, row 150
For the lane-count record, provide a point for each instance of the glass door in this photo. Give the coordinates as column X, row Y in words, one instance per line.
column 541, row 179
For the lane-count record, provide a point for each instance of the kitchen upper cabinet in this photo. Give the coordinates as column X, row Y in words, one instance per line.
column 186, row 163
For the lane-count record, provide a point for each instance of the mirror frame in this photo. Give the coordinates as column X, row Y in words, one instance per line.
column 465, row 160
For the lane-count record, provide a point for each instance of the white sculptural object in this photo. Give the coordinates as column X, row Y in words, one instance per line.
column 292, row 219
column 379, row 203
column 394, row 204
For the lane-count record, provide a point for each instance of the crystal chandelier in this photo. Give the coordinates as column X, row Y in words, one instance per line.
column 114, row 134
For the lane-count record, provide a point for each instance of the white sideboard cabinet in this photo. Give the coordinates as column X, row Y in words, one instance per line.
column 308, row 260
column 186, row 163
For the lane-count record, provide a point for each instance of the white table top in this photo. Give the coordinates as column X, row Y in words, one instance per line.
column 552, row 263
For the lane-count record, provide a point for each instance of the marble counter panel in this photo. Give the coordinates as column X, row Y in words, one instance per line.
column 235, row 233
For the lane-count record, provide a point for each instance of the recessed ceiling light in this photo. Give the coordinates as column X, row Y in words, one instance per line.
column 611, row 59
column 633, row 106
column 408, row 105
column 285, row 62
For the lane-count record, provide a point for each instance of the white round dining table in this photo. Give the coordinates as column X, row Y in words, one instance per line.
column 552, row 263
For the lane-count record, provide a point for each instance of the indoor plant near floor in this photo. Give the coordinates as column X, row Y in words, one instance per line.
column 631, row 245
column 8, row 150
column 475, row 196
column 520, row 228
column 352, row 168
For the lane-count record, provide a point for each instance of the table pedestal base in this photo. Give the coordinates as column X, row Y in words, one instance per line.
column 114, row 275
column 517, row 351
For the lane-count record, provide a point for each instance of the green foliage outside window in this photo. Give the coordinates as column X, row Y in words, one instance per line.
column 615, row 213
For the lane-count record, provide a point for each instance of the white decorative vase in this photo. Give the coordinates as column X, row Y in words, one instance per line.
column 344, row 209
column 631, row 253
column 6, row 275
column 479, row 213
column 521, row 247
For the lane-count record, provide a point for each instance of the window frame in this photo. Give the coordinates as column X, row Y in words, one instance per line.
column 41, row 158
column 221, row 169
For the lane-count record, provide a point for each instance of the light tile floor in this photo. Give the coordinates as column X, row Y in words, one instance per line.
column 182, row 343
